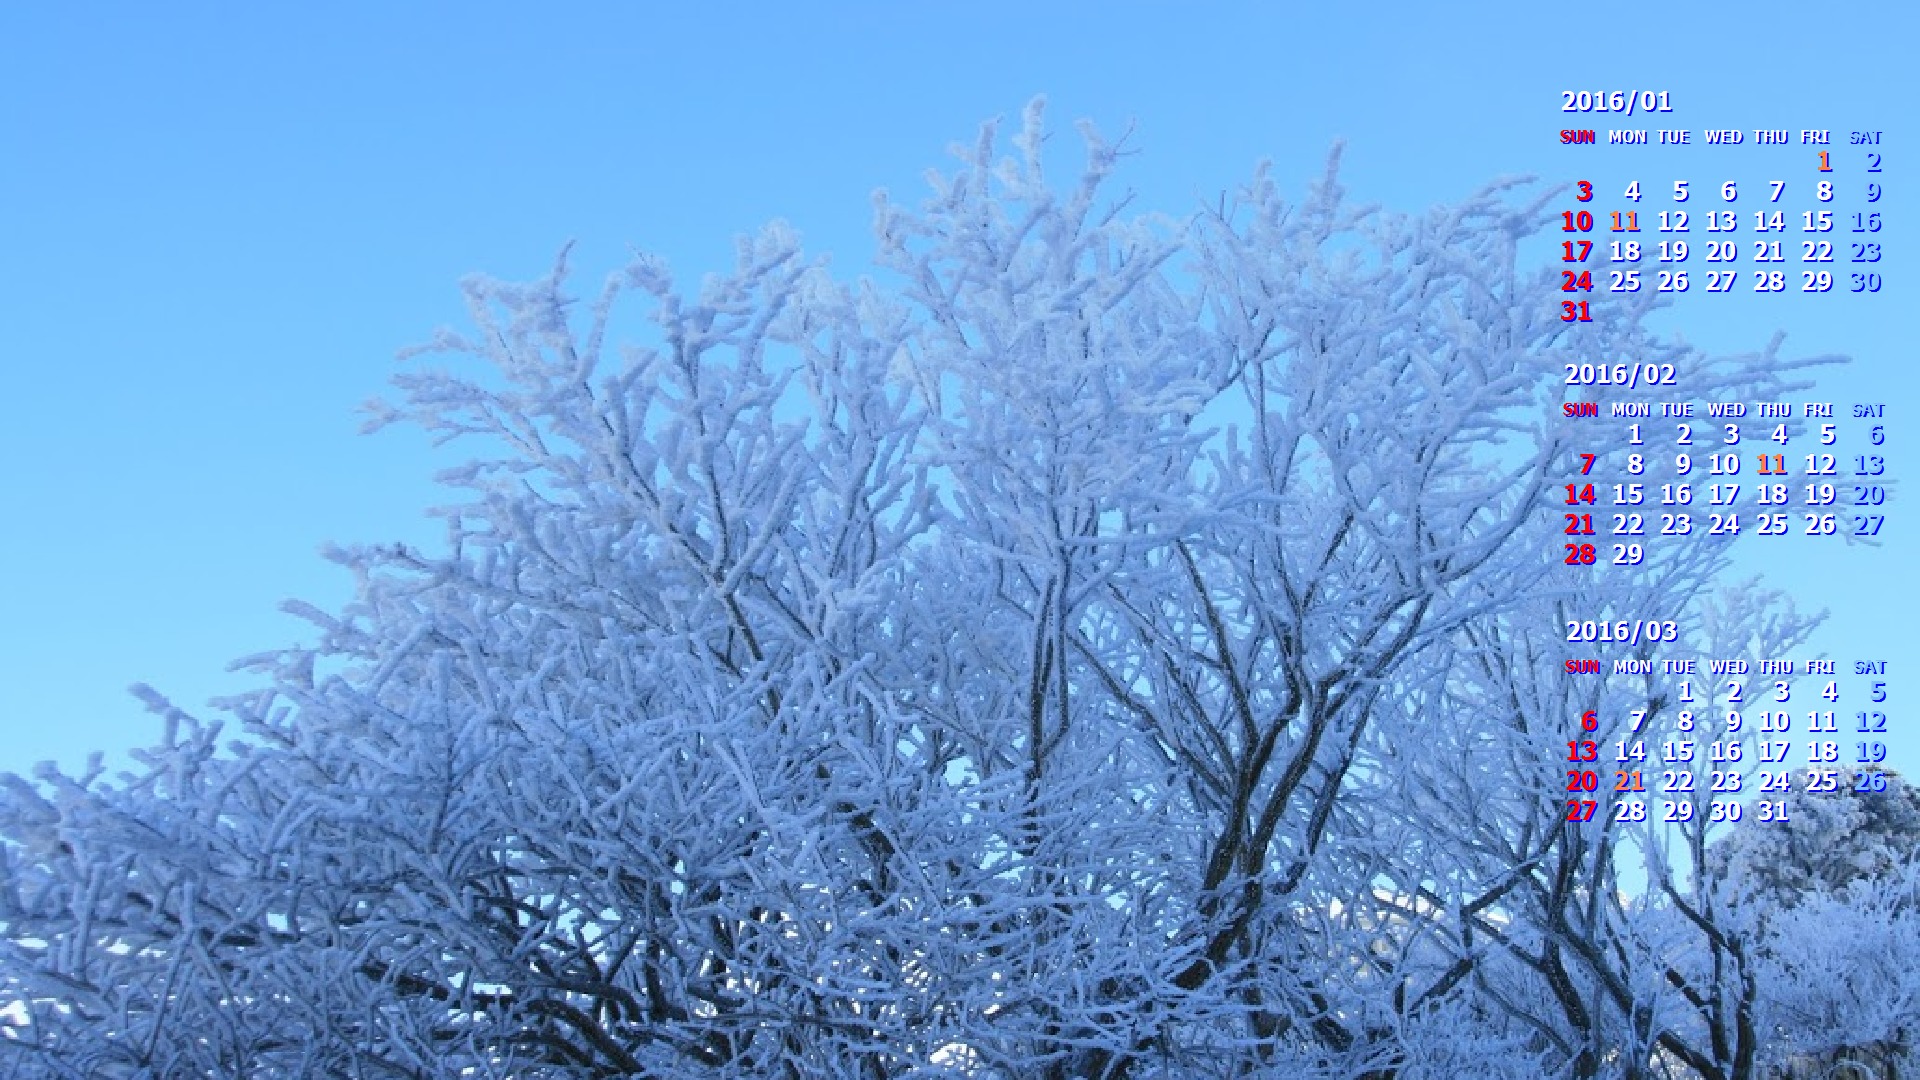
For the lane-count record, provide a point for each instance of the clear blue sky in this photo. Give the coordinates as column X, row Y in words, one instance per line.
column 217, row 225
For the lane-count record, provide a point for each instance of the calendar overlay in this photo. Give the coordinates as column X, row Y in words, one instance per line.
column 1769, row 212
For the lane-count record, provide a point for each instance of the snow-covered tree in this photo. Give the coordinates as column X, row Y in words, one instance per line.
column 1093, row 646
column 1837, row 891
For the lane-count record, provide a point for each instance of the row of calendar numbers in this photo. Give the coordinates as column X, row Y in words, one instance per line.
column 1733, row 762
column 1819, row 253
column 1725, row 490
